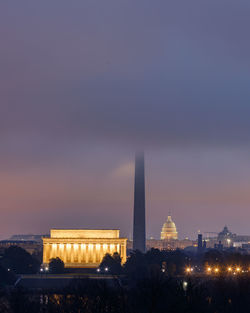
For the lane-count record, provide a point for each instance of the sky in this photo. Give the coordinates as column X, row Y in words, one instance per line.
column 85, row 84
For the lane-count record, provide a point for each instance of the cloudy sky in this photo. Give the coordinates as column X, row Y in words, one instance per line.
column 84, row 84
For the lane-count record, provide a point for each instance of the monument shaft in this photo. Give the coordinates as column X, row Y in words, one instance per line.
column 139, row 232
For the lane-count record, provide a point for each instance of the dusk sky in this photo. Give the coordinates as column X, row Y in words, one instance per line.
column 85, row 84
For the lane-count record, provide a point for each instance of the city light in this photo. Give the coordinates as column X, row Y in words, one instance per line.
column 209, row 269
column 229, row 269
column 237, row 269
column 189, row 269
column 185, row 284
column 216, row 270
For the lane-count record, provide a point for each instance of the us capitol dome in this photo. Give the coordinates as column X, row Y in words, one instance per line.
column 169, row 231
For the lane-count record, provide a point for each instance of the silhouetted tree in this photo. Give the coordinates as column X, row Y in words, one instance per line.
column 56, row 266
column 112, row 263
column 19, row 261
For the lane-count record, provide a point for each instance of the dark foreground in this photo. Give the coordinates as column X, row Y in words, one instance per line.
column 155, row 294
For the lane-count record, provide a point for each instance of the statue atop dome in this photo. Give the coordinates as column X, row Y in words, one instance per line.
column 169, row 231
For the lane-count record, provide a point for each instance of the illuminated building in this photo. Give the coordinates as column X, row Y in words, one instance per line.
column 83, row 247
column 169, row 231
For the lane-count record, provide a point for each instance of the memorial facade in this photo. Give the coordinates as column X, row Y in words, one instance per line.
column 83, row 247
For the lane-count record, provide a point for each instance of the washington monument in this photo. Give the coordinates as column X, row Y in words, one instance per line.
column 139, row 233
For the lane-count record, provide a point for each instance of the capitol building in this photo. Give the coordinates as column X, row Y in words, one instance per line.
column 169, row 231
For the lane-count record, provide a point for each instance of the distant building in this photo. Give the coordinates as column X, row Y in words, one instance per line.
column 169, row 231
column 27, row 237
column 226, row 237
column 28, row 245
column 83, row 247
column 172, row 244
column 200, row 246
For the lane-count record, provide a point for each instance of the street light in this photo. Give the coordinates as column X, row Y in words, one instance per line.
column 185, row 284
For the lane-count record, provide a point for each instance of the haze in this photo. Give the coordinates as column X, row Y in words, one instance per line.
column 85, row 84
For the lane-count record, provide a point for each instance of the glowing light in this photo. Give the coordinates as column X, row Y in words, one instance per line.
column 209, row 269
column 98, row 246
column 68, row 246
column 216, row 270
column 105, row 246
column 54, row 246
column 237, row 269
column 61, row 246
column 229, row 269
column 106, row 269
column 83, row 246
column 75, row 246
column 189, row 269
column 98, row 270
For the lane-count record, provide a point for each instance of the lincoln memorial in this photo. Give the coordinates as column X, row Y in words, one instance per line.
column 83, row 247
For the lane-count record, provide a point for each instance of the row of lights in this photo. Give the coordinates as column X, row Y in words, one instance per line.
column 229, row 269
column 216, row 269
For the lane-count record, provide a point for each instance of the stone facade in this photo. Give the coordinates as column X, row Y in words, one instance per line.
column 84, row 247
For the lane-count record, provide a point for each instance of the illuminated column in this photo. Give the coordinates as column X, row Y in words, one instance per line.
column 72, row 253
column 45, row 260
column 108, row 248
column 57, row 251
column 46, row 253
column 87, row 254
column 98, row 252
column 68, row 253
column 118, row 248
column 78, row 253
column 75, row 253
column 123, row 253
column 105, row 249
column 54, row 247
column 112, row 247
column 83, row 254
column 64, row 253
column 94, row 253
column 90, row 252
column 101, row 252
